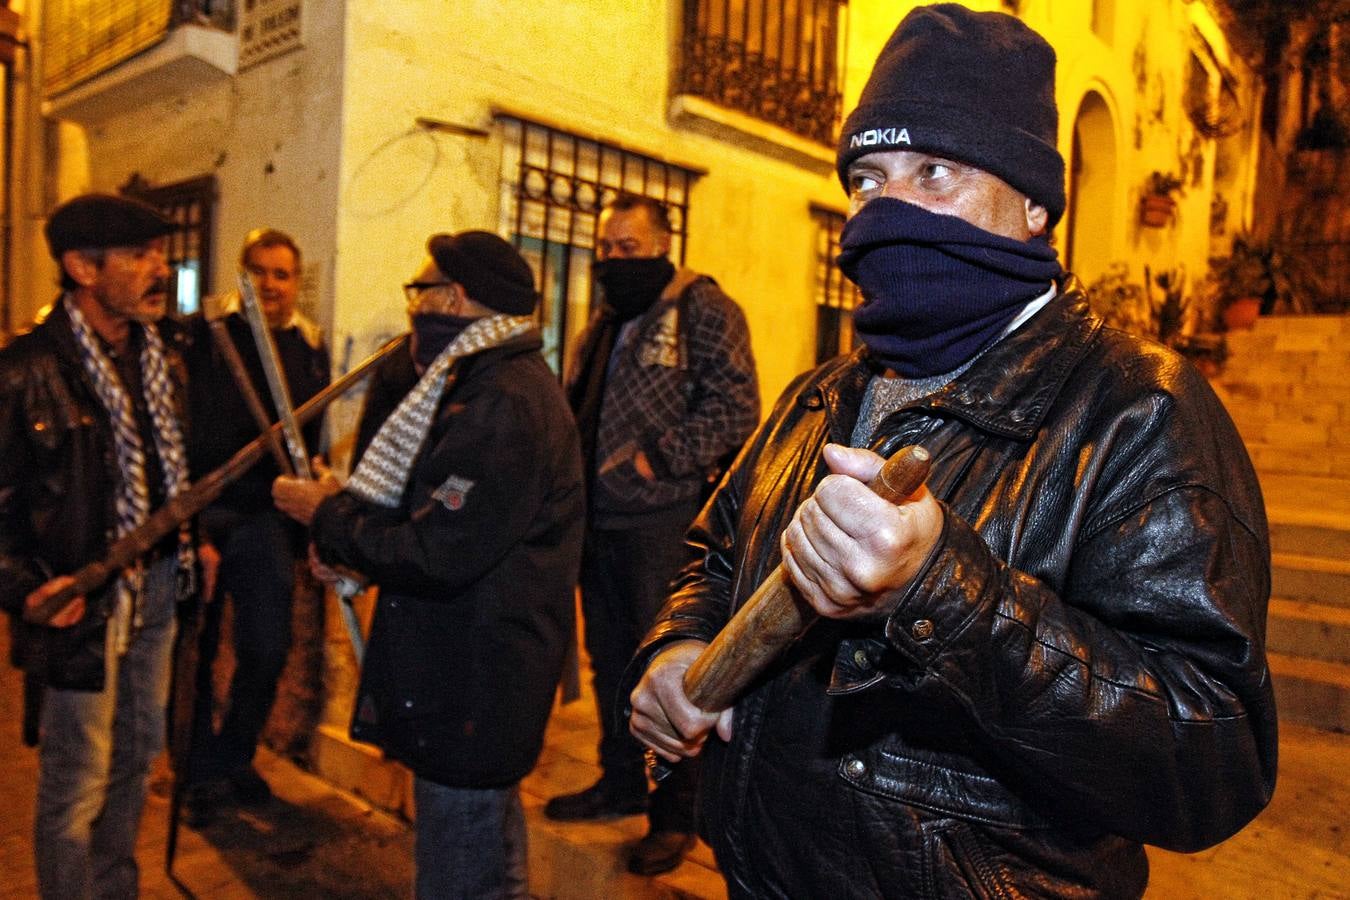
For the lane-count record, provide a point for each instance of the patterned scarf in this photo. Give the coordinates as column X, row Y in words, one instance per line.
column 382, row 474
column 133, row 494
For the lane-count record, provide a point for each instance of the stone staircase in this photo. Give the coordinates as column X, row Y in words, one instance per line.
column 1287, row 386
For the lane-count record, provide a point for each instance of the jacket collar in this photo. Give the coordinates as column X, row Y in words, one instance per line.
column 1008, row 390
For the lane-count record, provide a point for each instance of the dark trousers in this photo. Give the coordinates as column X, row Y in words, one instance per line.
column 257, row 572
column 625, row 574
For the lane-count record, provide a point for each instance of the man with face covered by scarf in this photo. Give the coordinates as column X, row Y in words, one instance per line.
column 1050, row 655
column 663, row 386
column 465, row 508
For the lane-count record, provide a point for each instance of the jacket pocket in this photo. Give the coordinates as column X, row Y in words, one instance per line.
column 942, row 783
column 961, row 865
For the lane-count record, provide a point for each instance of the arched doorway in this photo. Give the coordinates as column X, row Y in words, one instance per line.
column 1093, row 220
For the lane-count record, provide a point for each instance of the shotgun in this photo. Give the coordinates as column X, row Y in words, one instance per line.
column 178, row 509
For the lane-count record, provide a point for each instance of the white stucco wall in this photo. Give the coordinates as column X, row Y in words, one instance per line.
column 270, row 135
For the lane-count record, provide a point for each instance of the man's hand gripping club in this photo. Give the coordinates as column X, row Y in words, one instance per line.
column 850, row 549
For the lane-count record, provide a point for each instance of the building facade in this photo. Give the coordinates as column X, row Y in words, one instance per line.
column 362, row 127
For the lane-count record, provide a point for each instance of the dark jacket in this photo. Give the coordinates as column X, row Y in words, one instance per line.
column 475, row 568
column 682, row 389
column 223, row 421
column 1077, row 669
column 58, row 488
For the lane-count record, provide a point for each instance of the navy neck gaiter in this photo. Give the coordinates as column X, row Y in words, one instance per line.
column 432, row 333
column 936, row 289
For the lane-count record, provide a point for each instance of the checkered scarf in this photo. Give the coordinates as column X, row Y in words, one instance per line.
column 382, row 474
column 133, row 493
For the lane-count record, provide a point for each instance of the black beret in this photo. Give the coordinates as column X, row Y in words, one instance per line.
column 94, row 221
column 976, row 87
column 489, row 269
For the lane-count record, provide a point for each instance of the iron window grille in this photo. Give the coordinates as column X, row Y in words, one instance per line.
column 776, row 60
column 554, row 184
column 190, row 206
column 836, row 296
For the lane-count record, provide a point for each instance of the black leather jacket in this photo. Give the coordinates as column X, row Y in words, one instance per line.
column 1079, row 667
column 58, row 481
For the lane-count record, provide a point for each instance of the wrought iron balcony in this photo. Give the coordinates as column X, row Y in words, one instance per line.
column 84, row 38
column 776, row 60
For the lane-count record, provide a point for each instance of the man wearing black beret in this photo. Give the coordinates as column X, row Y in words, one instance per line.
column 1050, row 655
column 466, row 509
column 92, row 419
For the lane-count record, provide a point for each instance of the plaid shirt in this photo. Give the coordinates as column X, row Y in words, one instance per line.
column 683, row 407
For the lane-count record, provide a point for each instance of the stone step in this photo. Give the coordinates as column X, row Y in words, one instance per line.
column 1244, row 391
column 1310, row 630
column 1317, row 579
column 1309, row 538
column 1330, row 329
column 1293, row 437
column 1311, row 691
column 1324, row 412
column 1255, row 378
column 1286, row 459
column 1306, row 499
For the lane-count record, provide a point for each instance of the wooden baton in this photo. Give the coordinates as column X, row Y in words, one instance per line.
column 774, row 615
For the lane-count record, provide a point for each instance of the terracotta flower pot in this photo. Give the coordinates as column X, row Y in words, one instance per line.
column 1156, row 210
column 1241, row 314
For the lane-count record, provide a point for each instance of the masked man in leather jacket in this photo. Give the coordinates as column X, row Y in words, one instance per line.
column 1051, row 655
column 92, row 404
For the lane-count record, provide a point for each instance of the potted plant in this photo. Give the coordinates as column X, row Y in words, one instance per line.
column 1262, row 277
column 1120, row 302
column 1158, row 205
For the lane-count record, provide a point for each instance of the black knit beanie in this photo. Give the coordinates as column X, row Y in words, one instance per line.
column 976, row 87
column 490, row 270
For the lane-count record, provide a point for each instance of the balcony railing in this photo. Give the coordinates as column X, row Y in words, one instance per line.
column 86, row 37
column 776, row 60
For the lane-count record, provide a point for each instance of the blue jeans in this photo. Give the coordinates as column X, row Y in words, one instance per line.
column 94, row 758
column 469, row 843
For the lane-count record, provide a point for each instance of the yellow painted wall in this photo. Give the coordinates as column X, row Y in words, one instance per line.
column 322, row 141
column 601, row 68
column 598, row 69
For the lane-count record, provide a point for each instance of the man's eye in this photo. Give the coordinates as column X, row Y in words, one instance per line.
column 936, row 170
column 862, row 183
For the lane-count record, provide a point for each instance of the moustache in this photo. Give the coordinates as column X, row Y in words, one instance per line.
column 161, row 286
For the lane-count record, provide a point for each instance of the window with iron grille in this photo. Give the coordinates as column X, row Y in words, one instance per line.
column 189, row 205
column 836, row 296
column 776, row 60
column 554, row 185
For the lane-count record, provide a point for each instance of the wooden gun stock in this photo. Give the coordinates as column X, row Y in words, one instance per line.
column 129, row 547
column 774, row 615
